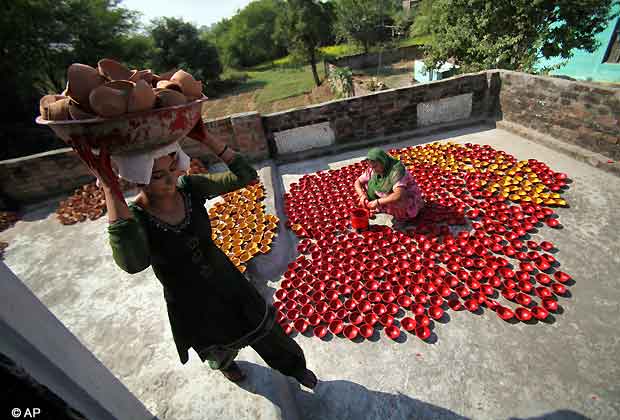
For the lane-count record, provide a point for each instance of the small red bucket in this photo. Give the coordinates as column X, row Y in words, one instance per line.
column 359, row 218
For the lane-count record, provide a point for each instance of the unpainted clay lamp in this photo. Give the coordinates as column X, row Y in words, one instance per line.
column 113, row 70
column 169, row 84
column 145, row 75
column 190, row 87
column 54, row 108
column 77, row 113
column 142, row 97
column 168, row 97
column 82, row 80
column 110, row 100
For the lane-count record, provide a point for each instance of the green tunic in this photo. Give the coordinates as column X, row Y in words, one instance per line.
column 211, row 305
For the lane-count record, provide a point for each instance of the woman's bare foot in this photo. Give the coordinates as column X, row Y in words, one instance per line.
column 233, row 373
column 308, row 379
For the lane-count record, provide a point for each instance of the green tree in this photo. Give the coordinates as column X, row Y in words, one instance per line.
column 363, row 21
column 87, row 31
column 247, row 38
column 303, row 24
column 178, row 44
column 39, row 39
column 402, row 23
column 512, row 34
column 421, row 16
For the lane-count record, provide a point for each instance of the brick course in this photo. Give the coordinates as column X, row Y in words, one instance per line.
column 580, row 113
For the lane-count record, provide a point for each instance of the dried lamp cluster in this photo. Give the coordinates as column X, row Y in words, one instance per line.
column 7, row 219
column 240, row 226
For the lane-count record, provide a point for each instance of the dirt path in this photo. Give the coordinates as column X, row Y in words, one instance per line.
column 245, row 102
column 394, row 75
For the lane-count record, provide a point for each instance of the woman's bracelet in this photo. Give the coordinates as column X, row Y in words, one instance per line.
column 223, row 151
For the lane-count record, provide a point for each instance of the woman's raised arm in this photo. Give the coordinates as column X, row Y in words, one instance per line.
column 127, row 238
column 241, row 173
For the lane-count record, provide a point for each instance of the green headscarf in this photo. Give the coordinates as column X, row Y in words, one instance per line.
column 393, row 171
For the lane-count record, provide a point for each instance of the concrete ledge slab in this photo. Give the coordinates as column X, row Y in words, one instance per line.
column 576, row 152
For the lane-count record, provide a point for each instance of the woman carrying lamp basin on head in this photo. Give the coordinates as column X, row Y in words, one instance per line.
column 211, row 306
column 386, row 186
column 139, row 118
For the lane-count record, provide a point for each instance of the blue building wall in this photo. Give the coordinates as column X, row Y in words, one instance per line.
column 590, row 66
column 422, row 75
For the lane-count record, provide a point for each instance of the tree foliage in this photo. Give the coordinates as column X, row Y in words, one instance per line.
column 40, row 38
column 363, row 21
column 302, row 24
column 512, row 34
column 421, row 16
column 178, row 44
column 247, row 39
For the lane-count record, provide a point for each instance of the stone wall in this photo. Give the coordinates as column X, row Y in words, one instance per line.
column 587, row 115
column 384, row 113
column 362, row 61
column 37, row 177
column 243, row 132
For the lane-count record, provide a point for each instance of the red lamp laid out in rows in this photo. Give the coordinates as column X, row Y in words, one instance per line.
column 352, row 275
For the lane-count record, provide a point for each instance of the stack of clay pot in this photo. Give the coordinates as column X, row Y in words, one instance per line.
column 112, row 90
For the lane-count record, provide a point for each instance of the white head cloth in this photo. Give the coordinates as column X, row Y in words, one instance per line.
column 138, row 167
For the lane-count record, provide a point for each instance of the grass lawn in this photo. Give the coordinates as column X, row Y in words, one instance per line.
column 341, row 50
column 270, row 89
column 281, row 82
column 417, row 40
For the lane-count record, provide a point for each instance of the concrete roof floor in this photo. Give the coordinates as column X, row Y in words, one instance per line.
column 477, row 367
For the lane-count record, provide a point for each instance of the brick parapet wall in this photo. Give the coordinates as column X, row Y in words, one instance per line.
column 382, row 113
column 584, row 114
column 243, row 132
column 37, row 177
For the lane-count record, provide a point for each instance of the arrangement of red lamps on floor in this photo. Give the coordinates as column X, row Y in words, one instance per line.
column 352, row 280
